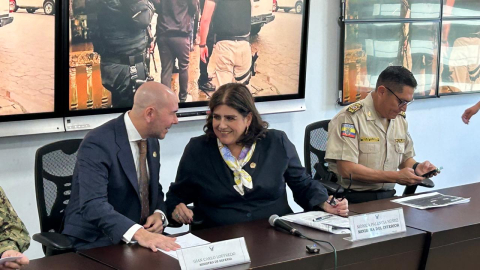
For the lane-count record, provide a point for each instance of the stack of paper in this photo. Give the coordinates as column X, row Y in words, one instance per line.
column 321, row 221
column 431, row 200
column 186, row 241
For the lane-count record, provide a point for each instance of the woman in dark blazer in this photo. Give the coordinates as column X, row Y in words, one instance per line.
column 237, row 171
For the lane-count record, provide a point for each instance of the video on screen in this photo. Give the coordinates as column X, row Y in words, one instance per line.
column 371, row 47
column 192, row 46
column 27, row 57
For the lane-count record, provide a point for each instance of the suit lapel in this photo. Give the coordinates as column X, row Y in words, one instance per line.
column 153, row 157
column 124, row 154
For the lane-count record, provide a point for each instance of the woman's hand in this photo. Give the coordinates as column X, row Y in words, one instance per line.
column 182, row 214
column 341, row 208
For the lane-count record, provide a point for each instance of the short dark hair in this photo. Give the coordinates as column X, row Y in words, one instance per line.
column 238, row 97
column 394, row 76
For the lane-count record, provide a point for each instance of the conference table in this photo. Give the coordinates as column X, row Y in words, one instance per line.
column 439, row 238
column 270, row 248
column 70, row 261
column 453, row 232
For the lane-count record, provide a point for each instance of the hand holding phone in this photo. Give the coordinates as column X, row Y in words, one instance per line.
column 432, row 172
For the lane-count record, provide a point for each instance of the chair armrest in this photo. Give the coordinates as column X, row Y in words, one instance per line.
column 55, row 241
column 427, row 182
column 332, row 186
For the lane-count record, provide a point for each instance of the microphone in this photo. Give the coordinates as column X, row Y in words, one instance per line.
column 276, row 222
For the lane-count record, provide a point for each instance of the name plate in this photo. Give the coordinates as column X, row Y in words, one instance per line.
column 377, row 224
column 214, row 255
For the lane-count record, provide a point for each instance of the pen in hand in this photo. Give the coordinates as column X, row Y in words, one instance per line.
column 322, row 218
column 333, row 201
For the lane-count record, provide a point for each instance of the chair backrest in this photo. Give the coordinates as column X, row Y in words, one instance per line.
column 54, row 164
column 315, row 146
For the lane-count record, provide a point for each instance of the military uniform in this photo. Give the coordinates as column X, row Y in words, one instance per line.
column 231, row 58
column 119, row 35
column 13, row 234
column 357, row 134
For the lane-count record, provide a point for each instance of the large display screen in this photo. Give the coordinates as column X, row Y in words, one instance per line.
column 438, row 41
column 115, row 46
column 27, row 59
column 371, row 47
column 460, row 59
column 391, row 9
column 461, row 8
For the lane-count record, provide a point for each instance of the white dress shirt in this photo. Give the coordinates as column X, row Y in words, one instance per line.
column 133, row 138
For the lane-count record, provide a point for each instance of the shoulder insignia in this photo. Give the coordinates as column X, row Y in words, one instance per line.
column 348, row 130
column 403, row 114
column 354, row 107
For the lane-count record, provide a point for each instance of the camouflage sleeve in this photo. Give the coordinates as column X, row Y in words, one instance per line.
column 13, row 234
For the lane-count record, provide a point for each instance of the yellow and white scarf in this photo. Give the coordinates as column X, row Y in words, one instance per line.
column 241, row 177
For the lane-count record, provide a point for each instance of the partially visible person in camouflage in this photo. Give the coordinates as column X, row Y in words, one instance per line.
column 14, row 238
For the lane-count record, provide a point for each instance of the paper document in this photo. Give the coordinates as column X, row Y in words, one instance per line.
column 8, row 259
column 431, row 200
column 186, row 241
column 321, row 221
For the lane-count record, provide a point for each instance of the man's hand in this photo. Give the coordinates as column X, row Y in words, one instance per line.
column 204, row 54
column 154, row 223
column 17, row 264
column 182, row 214
column 341, row 208
column 469, row 113
column 425, row 167
column 155, row 240
column 407, row 177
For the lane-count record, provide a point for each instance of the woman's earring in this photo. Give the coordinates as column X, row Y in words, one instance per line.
column 246, row 131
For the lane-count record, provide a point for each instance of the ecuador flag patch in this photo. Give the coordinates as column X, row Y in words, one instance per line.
column 348, row 130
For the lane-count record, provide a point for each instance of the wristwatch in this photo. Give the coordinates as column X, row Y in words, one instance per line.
column 415, row 167
column 164, row 218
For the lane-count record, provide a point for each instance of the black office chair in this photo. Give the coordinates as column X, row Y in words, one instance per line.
column 54, row 164
column 315, row 146
column 316, row 135
column 409, row 190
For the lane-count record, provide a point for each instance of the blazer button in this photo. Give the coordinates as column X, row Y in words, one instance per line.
column 249, row 215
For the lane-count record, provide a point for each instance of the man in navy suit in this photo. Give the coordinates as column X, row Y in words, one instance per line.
column 116, row 195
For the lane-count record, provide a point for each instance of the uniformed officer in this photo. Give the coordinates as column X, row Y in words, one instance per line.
column 14, row 237
column 369, row 140
column 231, row 59
column 119, row 34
